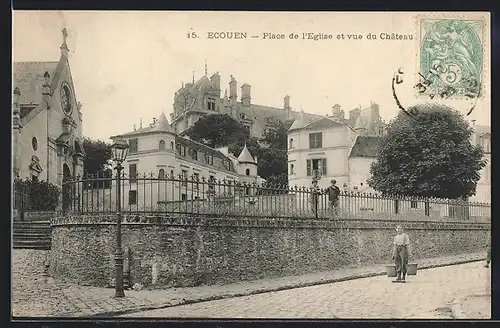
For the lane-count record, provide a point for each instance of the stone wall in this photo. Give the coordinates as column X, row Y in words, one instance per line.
column 190, row 251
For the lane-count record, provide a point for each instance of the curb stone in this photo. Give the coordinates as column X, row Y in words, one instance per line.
column 276, row 289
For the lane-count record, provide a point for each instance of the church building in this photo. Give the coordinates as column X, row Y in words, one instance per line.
column 47, row 121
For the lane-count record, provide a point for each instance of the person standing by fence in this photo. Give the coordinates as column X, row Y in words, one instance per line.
column 401, row 253
column 333, row 192
column 315, row 191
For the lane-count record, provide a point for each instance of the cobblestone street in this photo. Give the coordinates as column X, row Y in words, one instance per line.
column 429, row 295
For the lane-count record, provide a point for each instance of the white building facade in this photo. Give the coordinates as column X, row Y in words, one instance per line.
column 187, row 166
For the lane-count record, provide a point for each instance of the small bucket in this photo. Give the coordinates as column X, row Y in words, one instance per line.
column 412, row 269
column 391, row 270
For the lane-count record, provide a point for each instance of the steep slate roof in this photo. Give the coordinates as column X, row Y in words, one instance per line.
column 28, row 77
column 365, row 146
column 245, row 156
column 161, row 125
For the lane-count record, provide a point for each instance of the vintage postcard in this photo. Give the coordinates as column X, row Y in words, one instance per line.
column 278, row 165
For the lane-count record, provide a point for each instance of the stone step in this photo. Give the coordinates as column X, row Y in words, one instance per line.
column 31, row 237
column 32, row 229
column 31, row 244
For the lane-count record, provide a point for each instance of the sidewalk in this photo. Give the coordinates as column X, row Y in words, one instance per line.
column 37, row 295
column 476, row 305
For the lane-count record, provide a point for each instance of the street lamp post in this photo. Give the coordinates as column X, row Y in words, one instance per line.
column 120, row 151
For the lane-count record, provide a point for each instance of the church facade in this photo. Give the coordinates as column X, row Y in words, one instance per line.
column 47, row 121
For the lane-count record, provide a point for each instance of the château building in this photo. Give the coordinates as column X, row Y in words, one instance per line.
column 203, row 97
column 47, row 121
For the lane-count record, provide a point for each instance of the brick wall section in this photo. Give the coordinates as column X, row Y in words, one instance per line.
column 181, row 251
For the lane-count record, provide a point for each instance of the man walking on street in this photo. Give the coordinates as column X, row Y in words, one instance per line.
column 400, row 253
column 333, row 192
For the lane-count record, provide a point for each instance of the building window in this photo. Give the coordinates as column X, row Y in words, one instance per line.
column 133, row 146
column 486, row 145
column 291, row 169
column 184, row 177
column 315, row 140
column 34, row 143
column 194, row 154
column 161, row 174
column 181, row 149
column 132, row 197
column 162, row 145
column 243, row 116
column 132, row 172
column 211, row 104
column 291, row 143
column 196, row 178
column 209, row 159
column 172, row 174
column 172, row 145
column 316, row 166
column 247, row 171
column 34, row 178
column 413, row 204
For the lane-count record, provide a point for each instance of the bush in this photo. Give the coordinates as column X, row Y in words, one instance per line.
column 36, row 195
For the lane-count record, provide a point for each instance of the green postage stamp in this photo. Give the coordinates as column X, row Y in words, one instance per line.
column 451, row 56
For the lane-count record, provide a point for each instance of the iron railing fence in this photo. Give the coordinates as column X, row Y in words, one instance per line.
column 148, row 193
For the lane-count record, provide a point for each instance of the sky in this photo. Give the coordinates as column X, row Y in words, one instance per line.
column 126, row 66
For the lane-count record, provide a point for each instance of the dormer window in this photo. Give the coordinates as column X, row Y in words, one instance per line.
column 243, row 116
column 211, row 104
column 209, row 159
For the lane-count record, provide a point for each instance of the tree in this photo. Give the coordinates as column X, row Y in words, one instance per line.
column 218, row 130
column 97, row 156
column 222, row 130
column 428, row 154
column 36, row 195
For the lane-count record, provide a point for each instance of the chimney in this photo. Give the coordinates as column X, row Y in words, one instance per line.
column 286, row 105
column 233, row 93
column 215, row 79
column 246, row 94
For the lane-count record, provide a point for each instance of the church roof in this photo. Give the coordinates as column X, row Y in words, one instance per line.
column 365, row 146
column 28, row 77
column 245, row 156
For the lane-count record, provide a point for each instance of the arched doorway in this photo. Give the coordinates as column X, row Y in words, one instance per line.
column 66, row 188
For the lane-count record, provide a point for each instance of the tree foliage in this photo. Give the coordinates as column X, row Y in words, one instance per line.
column 428, row 155
column 36, row 195
column 222, row 130
column 97, row 156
